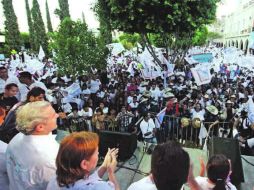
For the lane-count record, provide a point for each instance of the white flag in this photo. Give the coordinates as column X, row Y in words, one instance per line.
column 41, row 54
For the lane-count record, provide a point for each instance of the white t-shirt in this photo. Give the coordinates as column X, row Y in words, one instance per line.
column 199, row 114
column 129, row 99
column 205, row 185
column 86, row 91
column 156, row 93
column 4, row 181
column 86, row 114
column 31, row 161
column 24, row 89
column 147, row 127
column 10, row 79
column 95, row 85
column 143, row 184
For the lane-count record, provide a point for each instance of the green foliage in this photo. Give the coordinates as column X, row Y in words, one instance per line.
column 174, row 20
column 49, row 24
column 12, row 34
column 213, row 35
column 132, row 38
column 30, row 26
column 200, row 36
column 40, row 36
column 142, row 15
column 64, row 10
column 25, row 38
column 77, row 49
column 102, row 11
column 129, row 41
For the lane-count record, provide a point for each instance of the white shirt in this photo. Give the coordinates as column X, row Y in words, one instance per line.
column 156, row 93
column 31, row 161
column 147, row 127
column 95, row 85
column 134, row 105
column 4, row 181
column 86, row 92
column 24, row 89
column 129, row 99
column 205, row 185
column 199, row 114
column 86, row 114
column 143, row 184
column 10, row 79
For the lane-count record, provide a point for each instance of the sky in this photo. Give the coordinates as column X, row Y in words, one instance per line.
column 76, row 8
column 79, row 6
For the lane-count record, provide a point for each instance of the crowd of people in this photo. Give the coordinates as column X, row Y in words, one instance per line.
column 129, row 96
column 72, row 164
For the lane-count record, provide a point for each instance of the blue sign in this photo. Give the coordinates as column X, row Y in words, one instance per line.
column 203, row 58
column 2, row 57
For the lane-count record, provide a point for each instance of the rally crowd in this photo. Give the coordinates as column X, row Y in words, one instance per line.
column 122, row 98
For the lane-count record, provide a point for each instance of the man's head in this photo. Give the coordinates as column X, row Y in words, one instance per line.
column 123, row 109
column 37, row 118
column 25, row 78
column 35, row 94
column 146, row 116
column 169, row 166
column 11, row 90
column 3, row 73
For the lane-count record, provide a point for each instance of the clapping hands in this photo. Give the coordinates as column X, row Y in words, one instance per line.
column 110, row 160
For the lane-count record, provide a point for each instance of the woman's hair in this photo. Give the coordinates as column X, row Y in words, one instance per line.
column 170, row 166
column 73, row 150
column 218, row 168
column 30, row 115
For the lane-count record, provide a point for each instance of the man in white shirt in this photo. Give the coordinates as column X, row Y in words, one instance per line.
column 170, row 169
column 6, row 79
column 94, row 84
column 31, row 154
column 27, row 83
column 147, row 127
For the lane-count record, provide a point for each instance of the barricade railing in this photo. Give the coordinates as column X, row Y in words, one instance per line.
column 191, row 132
column 172, row 128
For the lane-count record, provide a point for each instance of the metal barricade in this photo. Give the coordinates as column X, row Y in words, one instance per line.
column 189, row 134
column 77, row 124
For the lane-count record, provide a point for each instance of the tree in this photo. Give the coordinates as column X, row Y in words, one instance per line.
column 173, row 20
column 40, row 37
column 49, row 24
column 83, row 18
column 63, row 12
column 77, row 49
column 213, row 35
column 129, row 41
column 200, row 36
column 103, row 13
column 25, row 39
column 30, row 25
column 12, row 34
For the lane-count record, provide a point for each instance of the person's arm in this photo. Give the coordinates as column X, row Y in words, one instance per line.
column 107, row 160
column 191, row 179
column 202, row 167
column 111, row 170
